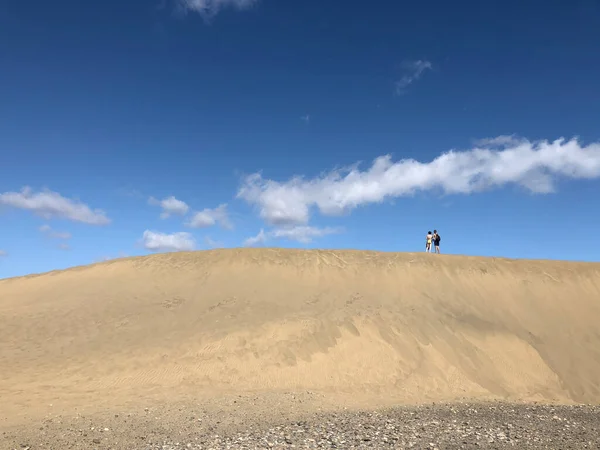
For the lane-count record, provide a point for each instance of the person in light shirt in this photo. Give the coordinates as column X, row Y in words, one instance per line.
column 428, row 242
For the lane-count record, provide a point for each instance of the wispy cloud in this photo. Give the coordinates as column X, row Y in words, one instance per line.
column 170, row 206
column 209, row 8
column 108, row 258
column 156, row 241
column 413, row 71
column 48, row 205
column 49, row 232
column 302, row 233
column 534, row 166
column 129, row 192
column 306, row 118
column 210, row 243
column 102, row 259
column 259, row 239
column 210, row 217
column 3, row 253
column 64, row 246
column 498, row 141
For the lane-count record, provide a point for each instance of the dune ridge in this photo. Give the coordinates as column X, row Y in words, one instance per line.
column 368, row 327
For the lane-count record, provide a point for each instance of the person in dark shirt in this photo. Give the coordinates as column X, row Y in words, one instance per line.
column 436, row 241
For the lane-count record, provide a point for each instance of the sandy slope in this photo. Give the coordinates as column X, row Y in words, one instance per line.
column 365, row 327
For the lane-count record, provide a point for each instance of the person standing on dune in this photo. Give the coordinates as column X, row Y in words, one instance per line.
column 428, row 242
column 436, row 241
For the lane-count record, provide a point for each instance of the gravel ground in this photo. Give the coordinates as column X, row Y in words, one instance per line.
column 456, row 426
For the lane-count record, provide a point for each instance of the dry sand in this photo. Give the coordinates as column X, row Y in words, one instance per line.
column 318, row 330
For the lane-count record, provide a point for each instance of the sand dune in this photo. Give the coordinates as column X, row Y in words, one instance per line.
column 367, row 327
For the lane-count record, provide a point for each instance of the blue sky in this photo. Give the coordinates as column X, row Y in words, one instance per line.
column 128, row 128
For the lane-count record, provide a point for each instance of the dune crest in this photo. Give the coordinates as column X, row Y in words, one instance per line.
column 365, row 325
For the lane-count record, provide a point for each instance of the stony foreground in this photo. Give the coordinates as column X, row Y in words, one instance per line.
column 456, row 426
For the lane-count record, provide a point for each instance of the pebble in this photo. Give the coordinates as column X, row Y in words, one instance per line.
column 433, row 427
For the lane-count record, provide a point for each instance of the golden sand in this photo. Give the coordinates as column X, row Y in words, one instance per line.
column 366, row 327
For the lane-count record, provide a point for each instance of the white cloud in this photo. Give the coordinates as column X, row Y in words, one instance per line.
column 48, row 231
column 534, row 166
column 280, row 203
column 170, row 206
column 50, row 204
column 414, row 70
column 306, row 118
column 209, row 217
column 259, row 239
column 302, row 233
column 64, row 246
column 209, row 8
column 156, row 241
column 3, row 253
